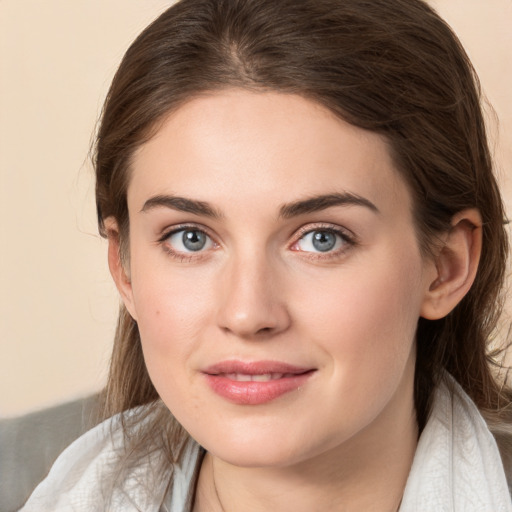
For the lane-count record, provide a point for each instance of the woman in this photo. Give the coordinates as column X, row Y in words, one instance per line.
column 309, row 244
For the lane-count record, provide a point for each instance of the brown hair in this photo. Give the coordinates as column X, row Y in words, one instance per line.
column 390, row 66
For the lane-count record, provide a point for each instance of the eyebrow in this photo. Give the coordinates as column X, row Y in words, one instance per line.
column 322, row 202
column 289, row 210
column 181, row 204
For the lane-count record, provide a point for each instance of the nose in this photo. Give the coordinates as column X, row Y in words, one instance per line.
column 252, row 301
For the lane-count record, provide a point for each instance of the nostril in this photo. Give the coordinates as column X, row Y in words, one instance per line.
column 264, row 330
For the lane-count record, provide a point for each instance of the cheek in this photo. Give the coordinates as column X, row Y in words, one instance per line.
column 173, row 308
column 171, row 320
column 365, row 315
column 364, row 323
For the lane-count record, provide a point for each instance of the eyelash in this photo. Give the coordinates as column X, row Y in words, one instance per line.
column 348, row 241
column 347, row 238
column 184, row 256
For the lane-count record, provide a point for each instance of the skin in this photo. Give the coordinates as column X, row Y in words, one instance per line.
column 260, row 290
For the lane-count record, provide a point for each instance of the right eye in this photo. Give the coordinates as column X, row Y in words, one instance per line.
column 321, row 240
column 188, row 241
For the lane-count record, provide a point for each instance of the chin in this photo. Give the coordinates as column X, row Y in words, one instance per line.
column 274, row 448
column 256, row 456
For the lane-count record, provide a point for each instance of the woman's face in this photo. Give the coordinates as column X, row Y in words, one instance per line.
column 275, row 277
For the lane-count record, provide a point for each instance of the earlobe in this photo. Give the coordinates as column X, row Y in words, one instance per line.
column 117, row 268
column 456, row 265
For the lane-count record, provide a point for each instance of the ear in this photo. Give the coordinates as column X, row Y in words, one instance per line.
column 118, row 269
column 456, row 265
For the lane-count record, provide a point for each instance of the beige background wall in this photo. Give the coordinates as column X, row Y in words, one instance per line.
column 57, row 305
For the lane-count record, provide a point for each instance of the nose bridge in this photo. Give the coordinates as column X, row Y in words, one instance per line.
column 252, row 301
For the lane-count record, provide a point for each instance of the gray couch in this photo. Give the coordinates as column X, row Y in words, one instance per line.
column 30, row 444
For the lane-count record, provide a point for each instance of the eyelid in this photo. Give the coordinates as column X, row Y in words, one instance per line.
column 171, row 230
column 324, row 226
column 186, row 256
column 349, row 240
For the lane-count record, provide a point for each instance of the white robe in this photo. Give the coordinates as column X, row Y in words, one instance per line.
column 456, row 468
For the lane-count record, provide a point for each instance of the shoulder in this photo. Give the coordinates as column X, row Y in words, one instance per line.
column 457, row 459
column 501, row 428
column 84, row 477
column 497, row 424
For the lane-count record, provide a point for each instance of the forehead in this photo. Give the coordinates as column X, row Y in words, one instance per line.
column 267, row 148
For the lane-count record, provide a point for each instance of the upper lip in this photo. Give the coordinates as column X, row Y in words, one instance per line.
column 254, row 368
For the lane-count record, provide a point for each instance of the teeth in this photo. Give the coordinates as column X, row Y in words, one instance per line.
column 241, row 377
column 262, row 378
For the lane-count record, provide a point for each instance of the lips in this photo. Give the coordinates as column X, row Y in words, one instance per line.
column 264, row 377
column 255, row 383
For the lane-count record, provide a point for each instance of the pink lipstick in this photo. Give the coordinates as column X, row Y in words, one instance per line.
column 255, row 383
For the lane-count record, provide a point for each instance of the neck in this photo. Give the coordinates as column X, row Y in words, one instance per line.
column 368, row 472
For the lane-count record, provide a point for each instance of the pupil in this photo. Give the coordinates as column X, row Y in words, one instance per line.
column 324, row 241
column 194, row 240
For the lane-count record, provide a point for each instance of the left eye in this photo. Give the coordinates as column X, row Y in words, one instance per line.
column 320, row 240
column 189, row 240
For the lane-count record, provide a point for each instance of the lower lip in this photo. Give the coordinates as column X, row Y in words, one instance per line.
column 254, row 392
